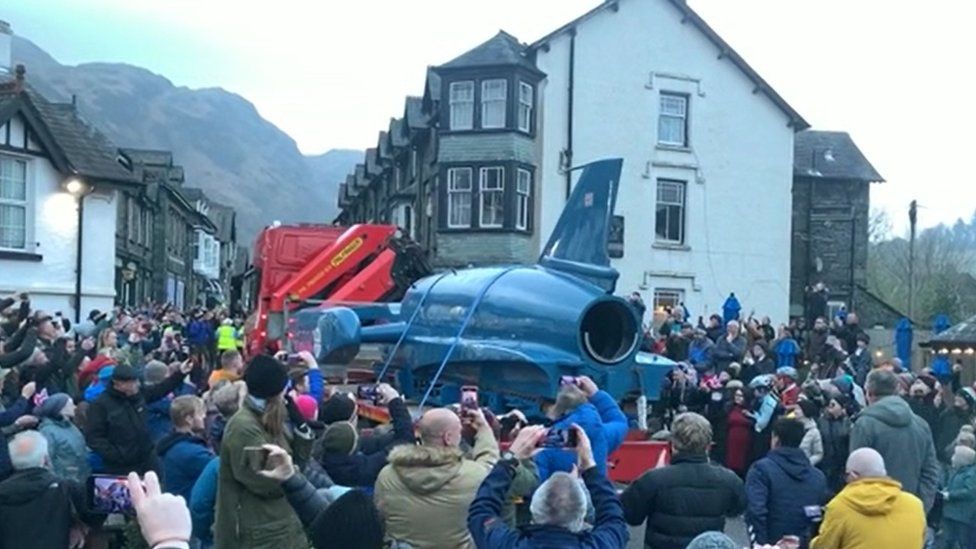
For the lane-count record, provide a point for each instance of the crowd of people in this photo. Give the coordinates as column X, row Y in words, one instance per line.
column 797, row 430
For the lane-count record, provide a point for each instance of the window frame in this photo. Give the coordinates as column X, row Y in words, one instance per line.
column 453, row 124
column 525, row 105
column 28, row 203
column 493, row 102
column 683, row 205
column 686, row 98
column 451, row 183
column 677, row 293
column 483, row 191
column 523, row 199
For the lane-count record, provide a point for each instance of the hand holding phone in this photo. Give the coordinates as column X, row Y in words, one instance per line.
column 469, row 397
column 559, row 438
column 109, row 494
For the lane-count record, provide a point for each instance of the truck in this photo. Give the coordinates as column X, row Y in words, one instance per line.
column 307, row 265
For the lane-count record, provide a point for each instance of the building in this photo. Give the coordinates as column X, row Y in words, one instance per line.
column 60, row 181
column 831, row 205
column 170, row 276
column 214, row 251
column 699, row 214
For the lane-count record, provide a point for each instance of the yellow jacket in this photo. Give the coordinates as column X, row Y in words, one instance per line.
column 872, row 513
column 226, row 338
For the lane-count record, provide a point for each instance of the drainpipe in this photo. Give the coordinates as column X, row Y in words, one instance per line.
column 78, row 252
column 569, row 112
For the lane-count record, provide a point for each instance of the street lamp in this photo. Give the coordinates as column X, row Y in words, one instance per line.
column 78, row 188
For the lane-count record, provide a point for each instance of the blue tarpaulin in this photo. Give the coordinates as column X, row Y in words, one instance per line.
column 903, row 342
column 731, row 308
column 941, row 324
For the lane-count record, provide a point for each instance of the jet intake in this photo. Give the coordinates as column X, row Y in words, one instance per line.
column 338, row 336
column 609, row 331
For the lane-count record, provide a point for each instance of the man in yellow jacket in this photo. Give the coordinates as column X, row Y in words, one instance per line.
column 872, row 511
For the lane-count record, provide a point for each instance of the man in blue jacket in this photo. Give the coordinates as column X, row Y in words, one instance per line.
column 184, row 452
column 595, row 411
column 558, row 506
column 784, row 492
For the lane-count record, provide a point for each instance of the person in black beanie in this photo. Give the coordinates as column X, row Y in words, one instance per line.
column 247, row 502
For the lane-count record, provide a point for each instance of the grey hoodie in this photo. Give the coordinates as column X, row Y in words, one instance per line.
column 904, row 440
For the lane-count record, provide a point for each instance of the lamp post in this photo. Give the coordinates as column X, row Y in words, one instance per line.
column 78, row 189
column 912, row 219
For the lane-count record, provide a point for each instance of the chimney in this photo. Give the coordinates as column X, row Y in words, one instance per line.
column 6, row 51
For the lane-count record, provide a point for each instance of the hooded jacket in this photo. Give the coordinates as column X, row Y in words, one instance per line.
column 812, row 443
column 960, row 506
column 778, row 487
column 425, row 492
column 66, row 446
column 605, row 425
column 904, row 441
column 184, row 458
column 870, row 513
column 37, row 509
column 361, row 469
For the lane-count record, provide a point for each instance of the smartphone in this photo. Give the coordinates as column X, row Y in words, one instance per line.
column 256, row 457
column 559, row 438
column 294, row 358
column 469, row 397
column 568, row 380
column 367, row 392
column 109, row 494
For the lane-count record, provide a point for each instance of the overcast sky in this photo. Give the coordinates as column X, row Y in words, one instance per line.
column 332, row 73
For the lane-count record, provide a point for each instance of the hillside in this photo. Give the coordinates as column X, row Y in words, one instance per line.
column 226, row 147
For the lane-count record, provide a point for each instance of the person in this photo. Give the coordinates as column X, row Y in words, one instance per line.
column 157, row 413
column 349, row 467
column 902, row 438
column 226, row 400
column 860, row 358
column 807, row 413
column 252, row 510
column 851, row 334
column 69, row 454
column 816, row 302
column 558, row 506
column 199, row 334
column 782, row 487
column 700, row 349
column 765, row 408
column 816, row 340
column 713, row 540
column 738, row 438
column 164, row 519
column 687, row 497
column 759, row 363
column 952, row 419
column 226, row 336
column 786, row 383
column 921, row 398
column 959, row 500
column 117, row 429
column 183, row 452
column 231, row 368
column 336, row 517
column 584, row 404
column 872, row 511
column 425, row 490
column 728, row 349
column 785, row 347
column 37, row 508
column 835, row 430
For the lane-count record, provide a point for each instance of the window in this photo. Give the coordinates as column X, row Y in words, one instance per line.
column 492, row 197
column 525, row 107
column 413, row 162
column 669, row 226
column 13, row 203
column 403, row 218
column 459, row 198
column 493, row 95
column 523, row 190
column 462, row 105
column 667, row 299
column 672, row 122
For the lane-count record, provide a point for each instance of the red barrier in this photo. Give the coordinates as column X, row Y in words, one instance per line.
column 633, row 458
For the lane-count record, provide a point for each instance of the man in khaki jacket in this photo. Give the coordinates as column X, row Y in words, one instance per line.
column 426, row 490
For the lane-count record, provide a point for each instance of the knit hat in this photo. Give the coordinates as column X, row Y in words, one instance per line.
column 712, row 540
column 963, row 456
column 340, row 438
column 928, row 380
column 124, row 372
column 52, row 405
column 338, row 408
column 969, row 396
column 265, row 377
column 810, row 408
column 307, row 406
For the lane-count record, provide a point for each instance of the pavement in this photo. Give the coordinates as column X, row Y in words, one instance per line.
column 734, row 528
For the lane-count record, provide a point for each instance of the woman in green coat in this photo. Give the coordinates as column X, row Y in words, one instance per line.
column 252, row 511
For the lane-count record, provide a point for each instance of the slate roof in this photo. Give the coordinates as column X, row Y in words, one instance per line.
column 959, row 336
column 225, row 219
column 383, row 147
column 831, row 155
column 75, row 145
column 193, row 194
column 398, row 133
column 724, row 51
column 360, row 176
column 413, row 113
column 372, row 168
column 501, row 49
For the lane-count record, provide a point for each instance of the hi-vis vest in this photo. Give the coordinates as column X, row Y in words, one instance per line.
column 226, row 338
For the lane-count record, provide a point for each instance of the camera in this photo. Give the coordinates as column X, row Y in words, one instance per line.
column 568, row 380
column 559, row 438
column 109, row 494
column 469, row 397
column 368, row 392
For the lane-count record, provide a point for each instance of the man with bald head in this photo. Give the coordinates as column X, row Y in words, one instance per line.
column 425, row 490
column 872, row 510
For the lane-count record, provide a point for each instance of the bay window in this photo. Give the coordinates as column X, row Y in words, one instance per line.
column 493, row 103
column 459, row 198
column 492, row 193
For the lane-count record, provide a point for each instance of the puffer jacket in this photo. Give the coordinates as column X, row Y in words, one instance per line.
column 778, row 487
column 605, row 425
column 904, row 441
column 812, row 443
column 252, row 511
column 871, row 513
column 425, row 492
column 682, row 500
column 960, row 506
column 66, row 446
